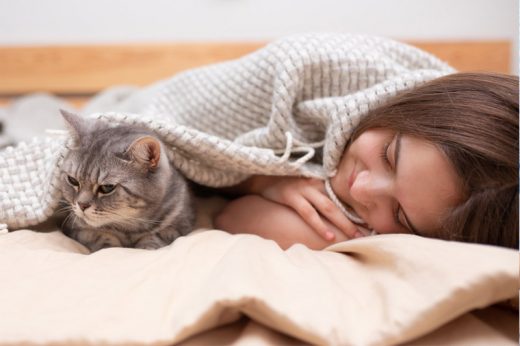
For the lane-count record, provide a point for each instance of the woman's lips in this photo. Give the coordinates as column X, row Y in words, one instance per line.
column 352, row 177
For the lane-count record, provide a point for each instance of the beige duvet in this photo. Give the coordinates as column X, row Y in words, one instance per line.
column 213, row 288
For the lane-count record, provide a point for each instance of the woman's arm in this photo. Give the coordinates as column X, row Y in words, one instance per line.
column 254, row 214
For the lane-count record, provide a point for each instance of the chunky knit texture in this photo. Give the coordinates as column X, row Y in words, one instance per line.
column 265, row 113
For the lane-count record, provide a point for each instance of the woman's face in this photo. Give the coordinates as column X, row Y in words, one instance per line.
column 397, row 183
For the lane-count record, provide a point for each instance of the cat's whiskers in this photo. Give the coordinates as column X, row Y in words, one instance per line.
column 65, row 209
column 71, row 216
column 69, row 210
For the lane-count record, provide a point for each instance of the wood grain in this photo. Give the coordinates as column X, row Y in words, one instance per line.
column 84, row 70
column 87, row 69
column 489, row 56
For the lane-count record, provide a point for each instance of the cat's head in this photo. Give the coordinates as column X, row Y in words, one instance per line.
column 112, row 175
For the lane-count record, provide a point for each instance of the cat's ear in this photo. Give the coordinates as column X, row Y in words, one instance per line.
column 75, row 124
column 146, row 151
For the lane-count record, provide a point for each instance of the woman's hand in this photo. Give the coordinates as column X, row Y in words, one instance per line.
column 309, row 199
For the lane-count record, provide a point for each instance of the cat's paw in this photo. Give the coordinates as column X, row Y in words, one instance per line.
column 149, row 243
column 104, row 242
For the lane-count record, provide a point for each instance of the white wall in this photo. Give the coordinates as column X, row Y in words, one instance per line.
column 108, row 21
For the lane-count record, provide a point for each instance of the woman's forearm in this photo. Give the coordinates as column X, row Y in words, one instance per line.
column 254, row 214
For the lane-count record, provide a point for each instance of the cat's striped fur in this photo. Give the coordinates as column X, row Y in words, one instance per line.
column 120, row 188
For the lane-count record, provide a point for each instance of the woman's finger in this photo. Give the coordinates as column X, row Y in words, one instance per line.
column 309, row 214
column 331, row 212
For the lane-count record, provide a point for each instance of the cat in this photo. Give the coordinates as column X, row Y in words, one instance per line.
column 120, row 188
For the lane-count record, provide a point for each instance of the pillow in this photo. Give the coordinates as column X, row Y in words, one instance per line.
column 382, row 289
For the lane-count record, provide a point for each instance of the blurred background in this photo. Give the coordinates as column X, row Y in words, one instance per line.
column 35, row 33
column 24, row 22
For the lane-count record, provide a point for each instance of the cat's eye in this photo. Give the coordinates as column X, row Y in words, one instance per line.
column 105, row 189
column 72, row 181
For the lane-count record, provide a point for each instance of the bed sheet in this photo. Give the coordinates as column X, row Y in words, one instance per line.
column 241, row 289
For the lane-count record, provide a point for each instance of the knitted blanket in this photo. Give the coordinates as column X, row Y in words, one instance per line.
column 270, row 112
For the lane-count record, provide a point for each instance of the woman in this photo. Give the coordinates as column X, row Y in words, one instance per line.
column 438, row 161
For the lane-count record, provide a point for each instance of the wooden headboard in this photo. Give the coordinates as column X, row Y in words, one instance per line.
column 79, row 71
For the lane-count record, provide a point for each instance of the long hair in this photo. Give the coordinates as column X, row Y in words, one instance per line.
column 473, row 119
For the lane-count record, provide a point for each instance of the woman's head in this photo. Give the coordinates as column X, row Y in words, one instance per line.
column 471, row 119
column 397, row 183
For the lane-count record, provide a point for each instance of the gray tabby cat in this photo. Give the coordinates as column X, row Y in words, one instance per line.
column 121, row 189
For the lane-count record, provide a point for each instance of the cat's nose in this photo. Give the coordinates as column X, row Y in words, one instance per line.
column 83, row 206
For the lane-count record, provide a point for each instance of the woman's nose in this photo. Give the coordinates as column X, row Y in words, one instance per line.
column 368, row 187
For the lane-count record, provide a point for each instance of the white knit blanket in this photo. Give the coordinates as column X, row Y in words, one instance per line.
column 269, row 112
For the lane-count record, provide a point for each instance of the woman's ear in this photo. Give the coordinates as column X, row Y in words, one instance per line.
column 146, row 151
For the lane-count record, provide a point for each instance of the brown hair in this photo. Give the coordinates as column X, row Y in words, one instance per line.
column 473, row 119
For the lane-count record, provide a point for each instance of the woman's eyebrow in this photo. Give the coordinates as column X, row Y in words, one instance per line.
column 397, row 152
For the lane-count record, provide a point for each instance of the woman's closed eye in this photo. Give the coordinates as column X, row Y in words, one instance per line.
column 389, row 151
column 397, row 218
column 384, row 154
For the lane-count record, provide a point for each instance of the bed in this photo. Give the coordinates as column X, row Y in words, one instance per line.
column 215, row 288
